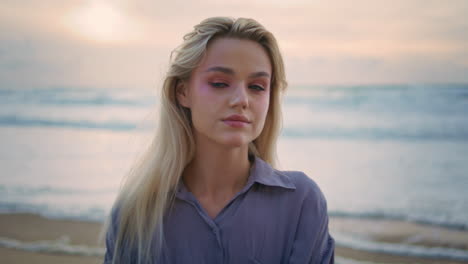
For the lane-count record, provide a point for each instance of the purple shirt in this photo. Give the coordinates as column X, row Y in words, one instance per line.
column 278, row 217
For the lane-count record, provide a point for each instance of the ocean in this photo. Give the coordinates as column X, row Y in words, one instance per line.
column 396, row 152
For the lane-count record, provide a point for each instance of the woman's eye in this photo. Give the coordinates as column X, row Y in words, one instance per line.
column 257, row 87
column 218, row 84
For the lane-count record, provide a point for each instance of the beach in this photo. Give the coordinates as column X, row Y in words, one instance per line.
column 27, row 228
column 372, row 108
column 72, row 241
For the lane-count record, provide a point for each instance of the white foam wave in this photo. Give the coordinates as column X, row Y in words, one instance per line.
column 340, row 260
column 400, row 249
column 61, row 245
column 455, row 222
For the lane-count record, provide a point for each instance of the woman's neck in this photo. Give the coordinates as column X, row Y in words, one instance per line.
column 217, row 171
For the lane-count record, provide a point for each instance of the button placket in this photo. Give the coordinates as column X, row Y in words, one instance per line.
column 216, row 232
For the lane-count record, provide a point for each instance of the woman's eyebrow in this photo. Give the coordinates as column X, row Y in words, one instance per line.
column 221, row 69
column 259, row 74
column 231, row 72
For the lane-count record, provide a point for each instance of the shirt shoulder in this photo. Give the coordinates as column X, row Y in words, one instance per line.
column 306, row 187
column 312, row 242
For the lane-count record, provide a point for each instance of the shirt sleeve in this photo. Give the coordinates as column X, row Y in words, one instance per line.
column 312, row 243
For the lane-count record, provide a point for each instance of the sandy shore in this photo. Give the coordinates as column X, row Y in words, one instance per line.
column 29, row 228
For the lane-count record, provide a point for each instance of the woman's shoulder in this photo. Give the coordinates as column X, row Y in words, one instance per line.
column 305, row 186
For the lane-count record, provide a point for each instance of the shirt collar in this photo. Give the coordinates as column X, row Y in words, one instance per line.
column 260, row 172
column 263, row 173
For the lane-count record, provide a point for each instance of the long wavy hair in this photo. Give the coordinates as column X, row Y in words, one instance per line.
column 148, row 190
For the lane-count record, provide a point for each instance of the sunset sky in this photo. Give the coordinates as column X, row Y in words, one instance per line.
column 126, row 44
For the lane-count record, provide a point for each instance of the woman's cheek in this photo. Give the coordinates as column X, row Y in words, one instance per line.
column 265, row 102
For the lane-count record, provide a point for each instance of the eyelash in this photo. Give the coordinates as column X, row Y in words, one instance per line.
column 224, row 85
column 218, row 85
column 258, row 87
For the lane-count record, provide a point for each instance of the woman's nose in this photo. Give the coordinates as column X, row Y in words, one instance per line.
column 240, row 97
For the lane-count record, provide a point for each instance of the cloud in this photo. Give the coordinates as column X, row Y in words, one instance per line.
column 358, row 70
column 364, row 41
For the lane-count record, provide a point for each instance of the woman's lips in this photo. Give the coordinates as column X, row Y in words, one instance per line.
column 235, row 123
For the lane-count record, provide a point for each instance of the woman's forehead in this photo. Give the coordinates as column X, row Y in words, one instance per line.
column 236, row 56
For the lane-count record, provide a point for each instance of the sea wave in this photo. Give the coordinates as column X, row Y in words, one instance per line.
column 381, row 215
column 63, row 246
column 98, row 212
column 72, row 212
column 60, row 246
column 20, row 198
column 31, row 121
column 373, row 133
column 445, row 99
column 399, row 249
column 45, row 189
column 377, row 133
column 77, row 97
column 341, row 260
column 42, row 200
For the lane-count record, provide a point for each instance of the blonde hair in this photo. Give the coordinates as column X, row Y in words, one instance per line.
column 149, row 187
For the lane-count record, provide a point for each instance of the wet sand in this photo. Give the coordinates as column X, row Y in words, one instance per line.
column 30, row 228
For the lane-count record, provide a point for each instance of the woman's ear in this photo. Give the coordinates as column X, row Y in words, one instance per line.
column 182, row 94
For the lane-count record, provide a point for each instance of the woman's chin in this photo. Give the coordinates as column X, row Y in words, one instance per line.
column 235, row 142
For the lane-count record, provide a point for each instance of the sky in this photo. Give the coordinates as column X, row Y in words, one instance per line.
column 127, row 43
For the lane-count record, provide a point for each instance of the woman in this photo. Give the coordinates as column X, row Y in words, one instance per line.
column 205, row 191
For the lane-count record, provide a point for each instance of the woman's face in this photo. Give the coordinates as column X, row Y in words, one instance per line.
column 228, row 93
